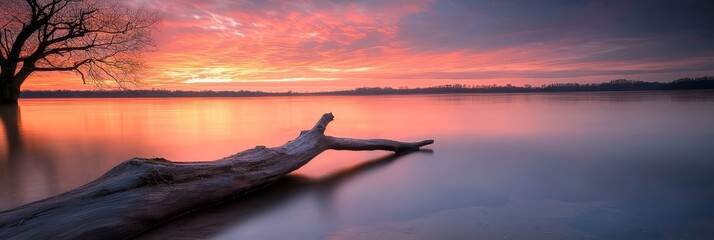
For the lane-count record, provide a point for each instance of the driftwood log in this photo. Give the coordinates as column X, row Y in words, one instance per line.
column 139, row 194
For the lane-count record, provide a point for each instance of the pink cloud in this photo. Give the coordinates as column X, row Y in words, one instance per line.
column 300, row 45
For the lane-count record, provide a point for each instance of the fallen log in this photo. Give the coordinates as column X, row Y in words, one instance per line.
column 140, row 193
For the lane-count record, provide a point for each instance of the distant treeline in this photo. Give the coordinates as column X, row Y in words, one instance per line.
column 614, row 85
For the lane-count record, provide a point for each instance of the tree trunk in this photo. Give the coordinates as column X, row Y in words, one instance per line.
column 9, row 93
column 142, row 193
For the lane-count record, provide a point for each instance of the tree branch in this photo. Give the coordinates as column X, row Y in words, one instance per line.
column 74, row 67
column 375, row 144
column 60, row 35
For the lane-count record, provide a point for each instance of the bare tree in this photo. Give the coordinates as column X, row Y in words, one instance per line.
column 100, row 40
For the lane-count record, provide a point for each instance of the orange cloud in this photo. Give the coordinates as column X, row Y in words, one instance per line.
column 323, row 45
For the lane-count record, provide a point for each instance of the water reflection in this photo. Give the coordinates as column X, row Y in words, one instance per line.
column 27, row 167
column 10, row 117
column 12, row 151
column 219, row 220
column 624, row 165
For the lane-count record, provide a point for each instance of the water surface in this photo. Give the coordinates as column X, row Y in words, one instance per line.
column 625, row 165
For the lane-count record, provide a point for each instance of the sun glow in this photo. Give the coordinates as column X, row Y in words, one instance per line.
column 236, row 45
column 337, row 70
column 208, row 80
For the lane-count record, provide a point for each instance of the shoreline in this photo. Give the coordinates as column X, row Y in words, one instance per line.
column 619, row 85
column 92, row 94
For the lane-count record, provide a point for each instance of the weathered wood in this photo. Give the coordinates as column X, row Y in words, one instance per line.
column 141, row 193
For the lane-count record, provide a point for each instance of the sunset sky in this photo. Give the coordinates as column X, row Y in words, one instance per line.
column 316, row 45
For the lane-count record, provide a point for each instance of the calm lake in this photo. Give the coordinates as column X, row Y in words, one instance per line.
column 612, row 165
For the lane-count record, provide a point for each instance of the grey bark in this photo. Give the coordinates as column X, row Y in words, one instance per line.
column 139, row 194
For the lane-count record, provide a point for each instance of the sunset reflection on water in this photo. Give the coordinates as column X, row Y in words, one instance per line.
column 556, row 165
